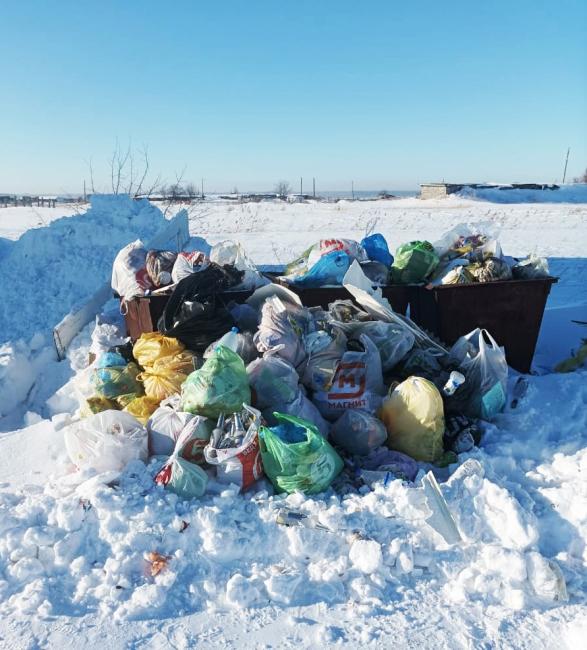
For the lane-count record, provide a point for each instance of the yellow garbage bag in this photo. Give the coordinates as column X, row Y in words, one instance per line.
column 153, row 345
column 166, row 375
column 142, row 408
column 413, row 415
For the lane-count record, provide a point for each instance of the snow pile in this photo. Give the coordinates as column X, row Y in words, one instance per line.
column 576, row 193
column 48, row 270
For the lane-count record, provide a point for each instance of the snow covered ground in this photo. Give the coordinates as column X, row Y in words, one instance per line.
column 72, row 568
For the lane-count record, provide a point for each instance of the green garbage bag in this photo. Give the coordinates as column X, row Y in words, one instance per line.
column 414, row 262
column 219, row 386
column 307, row 462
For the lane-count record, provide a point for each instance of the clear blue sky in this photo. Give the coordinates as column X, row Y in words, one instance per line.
column 246, row 93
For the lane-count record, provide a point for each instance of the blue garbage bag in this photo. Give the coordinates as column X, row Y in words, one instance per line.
column 377, row 250
column 329, row 269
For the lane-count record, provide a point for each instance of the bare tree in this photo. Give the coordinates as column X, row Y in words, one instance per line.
column 581, row 179
column 191, row 190
column 282, row 189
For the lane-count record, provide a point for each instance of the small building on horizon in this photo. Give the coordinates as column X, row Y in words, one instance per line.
column 442, row 190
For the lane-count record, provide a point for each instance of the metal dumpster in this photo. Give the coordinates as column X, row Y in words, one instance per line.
column 511, row 310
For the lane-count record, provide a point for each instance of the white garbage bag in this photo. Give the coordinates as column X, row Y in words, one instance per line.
column 129, row 271
column 230, row 252
column 106, row 441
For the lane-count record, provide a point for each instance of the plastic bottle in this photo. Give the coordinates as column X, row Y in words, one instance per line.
column 218, row 431
column 230, row 340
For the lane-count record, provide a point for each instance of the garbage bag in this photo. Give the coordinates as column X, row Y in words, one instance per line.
column 233, row 254
column 186, row 479
column 358, row 432
column 377, row 250
column 324, row 352
column 476, row 242
column 240, row 465
column 129, row 271
column 302, row 407
column 385, row 460
column 114, row 377
column 241, row 343
column 165, row 377
column 413, row 415
column 193, row 313
column 484, row 365
column 309, row 466
column 273, row 381
column 165, row 426
column 141, row 408
column 414, row 262
column 489, row 270
column 531, row 268
column 219, row 386
column 109, row 332
column 312, row 255
column 393, row 341
column 358, row 382
column 159, row 266
column 280, row 331
column 187, row 263
column 151, row 346
column 328, row 269
column 106, row 441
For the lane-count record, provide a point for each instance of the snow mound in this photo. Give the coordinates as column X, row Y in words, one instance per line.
column 576, row 193
column 48, row 270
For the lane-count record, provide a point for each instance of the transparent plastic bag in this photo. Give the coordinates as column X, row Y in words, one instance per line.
column 129, row 271
column 358, row 432
column 274, row 381
column 324, row 352
column 302, row 407
column 178, row 475
column 219, row 386
column 106, row 441
column 531, row 268
column 243, row 346
column 232, row 253
column 484, row 365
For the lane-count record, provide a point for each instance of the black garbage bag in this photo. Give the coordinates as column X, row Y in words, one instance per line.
column 194, row 313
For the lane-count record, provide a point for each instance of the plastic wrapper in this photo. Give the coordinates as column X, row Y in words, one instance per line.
column 358, row 432
column 413, row 415
column 152, row 346
column 219, row 386
column 178, row 475
column 309, row 466
column 358, row 383
column 387, row 460
column 239, row 465
column 129, row 272
column 159, row 266
column 106, row 441
column 273, row 380
column 484, row 365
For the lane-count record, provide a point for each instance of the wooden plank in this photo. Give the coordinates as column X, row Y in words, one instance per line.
column 173, row 236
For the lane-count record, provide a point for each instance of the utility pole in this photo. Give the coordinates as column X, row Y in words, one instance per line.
column 566, row 162
column 353, row 189
column 85, row 196
column 301, row 185
column 202, row 186
column 314, row 187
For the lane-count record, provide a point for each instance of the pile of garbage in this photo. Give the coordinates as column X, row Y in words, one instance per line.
column 464, row 255
column 267, row 389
